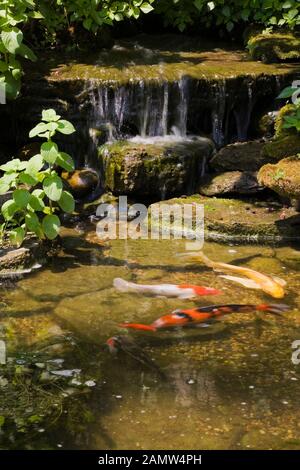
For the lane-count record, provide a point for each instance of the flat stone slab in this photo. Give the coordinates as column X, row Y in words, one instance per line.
column 231, row 220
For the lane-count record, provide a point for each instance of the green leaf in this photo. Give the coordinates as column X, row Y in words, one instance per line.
column 17, row 236
column 51, row 226
column 146, row 7
column 66, row 202
column 32, row 222
column 12, row 39
column 53, row 187
column 199, row 4
column 26, row 52
column 21, row 197
column 14, row 165
column 287, row 92
column 49, row 152
column 4, row 187
column 8, row 209
column 27, row 179
column 226, row 11
column 39, row 129
column 35, row 164
column 65, row 161
column 65, row 127
column 49, row 115
column 36, row 203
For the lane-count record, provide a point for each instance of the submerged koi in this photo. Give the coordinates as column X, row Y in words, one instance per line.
column 256, row 280
column 182, row 291
column 192, row 316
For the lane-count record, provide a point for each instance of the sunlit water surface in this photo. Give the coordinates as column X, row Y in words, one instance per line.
column 229, row 386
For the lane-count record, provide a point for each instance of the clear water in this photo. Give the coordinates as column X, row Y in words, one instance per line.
column 232, row 385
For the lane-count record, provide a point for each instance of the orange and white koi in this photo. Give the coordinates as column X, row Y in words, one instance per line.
column 272, row 285
column 194, row 316
column 182, row 291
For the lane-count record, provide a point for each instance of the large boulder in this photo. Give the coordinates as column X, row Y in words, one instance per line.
column 230, row 182
column 274, row 47
column 155, row 170
column 251, row 156
column 241, row 156
column 278, row 148
column 282, row 177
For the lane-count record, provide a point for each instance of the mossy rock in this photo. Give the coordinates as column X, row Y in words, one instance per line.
column 279, row 121
column 232, row 220
column 154, row 170
column 275, row 47
column 283, row 177
column 230, row 182
column 282, row 147
column 241, row 156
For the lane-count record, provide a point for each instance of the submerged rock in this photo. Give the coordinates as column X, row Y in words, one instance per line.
column 155, row 169
column 241, row 156
column 275, row 47
column 283, row 177
column 230, row 182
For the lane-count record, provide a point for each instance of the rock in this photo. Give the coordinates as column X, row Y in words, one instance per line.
column 241, row 156
column 230, row 182
column 23, row 260
column 155, row 169
column 282, row 147
column 232, row 220
column 81, row 182
column 266, row 124
column 274, row 47
column 283, row 177
column 251, row 156
column 279, row 121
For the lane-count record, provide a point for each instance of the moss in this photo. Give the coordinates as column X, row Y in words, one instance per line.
column 274, row 47
column 166, row 58
column 147, row 169
column 283, row 178
column 242, row 221
column 279, row 121
column 282, row 147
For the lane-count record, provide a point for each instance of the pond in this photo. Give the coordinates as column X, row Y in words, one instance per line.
column 231, row 385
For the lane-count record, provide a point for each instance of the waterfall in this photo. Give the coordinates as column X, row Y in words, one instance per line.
column 218, row 113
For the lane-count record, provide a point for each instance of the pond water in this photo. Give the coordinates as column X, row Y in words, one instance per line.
column 228, row 386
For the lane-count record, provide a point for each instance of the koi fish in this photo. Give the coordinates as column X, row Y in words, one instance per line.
column 194, row 316
column 127, row 345
column 182, row 291
column 273, row 286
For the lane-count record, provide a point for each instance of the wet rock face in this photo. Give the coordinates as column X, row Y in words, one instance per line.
column 283, row 177
column 242, row 156
column 230, row 182
column 155, row 170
